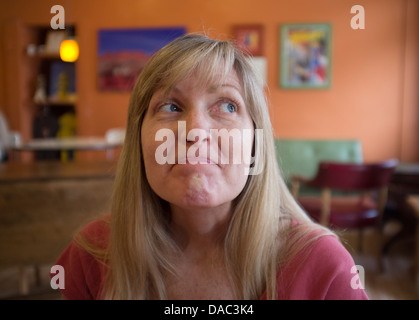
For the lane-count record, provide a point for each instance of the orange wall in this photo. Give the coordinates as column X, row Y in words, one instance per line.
column 375, row 72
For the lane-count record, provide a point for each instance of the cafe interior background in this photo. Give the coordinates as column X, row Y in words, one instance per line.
column 367, row 92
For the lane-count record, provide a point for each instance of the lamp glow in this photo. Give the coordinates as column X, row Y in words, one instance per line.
column 69, row 50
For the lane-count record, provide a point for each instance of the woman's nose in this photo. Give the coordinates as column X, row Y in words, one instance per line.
column 198, row 125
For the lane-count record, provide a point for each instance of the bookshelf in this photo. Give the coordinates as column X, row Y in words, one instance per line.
column 40, row 87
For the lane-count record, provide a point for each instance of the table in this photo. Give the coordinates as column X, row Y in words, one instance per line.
column 403, row 190
column 75, row 143
column 15, row 172
column 405, row 181
column 42, row 205
column 69, row 144
column 413, row 201
column 408, row 173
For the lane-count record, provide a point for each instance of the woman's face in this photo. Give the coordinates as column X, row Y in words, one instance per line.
column 197, row 143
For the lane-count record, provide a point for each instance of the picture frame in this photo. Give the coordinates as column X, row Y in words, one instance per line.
column 249, row 38
column 123, row 53
column 305, row 56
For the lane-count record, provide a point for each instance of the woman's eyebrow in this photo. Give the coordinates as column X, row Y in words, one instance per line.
column 224, row 85
column 212, row 88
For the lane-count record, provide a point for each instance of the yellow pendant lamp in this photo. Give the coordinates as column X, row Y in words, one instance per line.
column 69, row 48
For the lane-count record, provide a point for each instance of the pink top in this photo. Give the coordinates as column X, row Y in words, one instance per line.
column 325, row 273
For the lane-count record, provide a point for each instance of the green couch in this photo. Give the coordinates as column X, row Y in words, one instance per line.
column 302, row 157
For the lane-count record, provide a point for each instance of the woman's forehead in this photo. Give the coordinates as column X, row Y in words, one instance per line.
column 208, row 82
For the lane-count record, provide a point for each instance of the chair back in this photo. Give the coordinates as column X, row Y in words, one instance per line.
column 351, row 176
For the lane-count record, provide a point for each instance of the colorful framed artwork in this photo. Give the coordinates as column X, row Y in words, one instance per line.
column 249, row 38
column 305, row 56
column 123, row 53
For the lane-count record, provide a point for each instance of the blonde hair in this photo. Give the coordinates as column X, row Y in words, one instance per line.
column 257, row 240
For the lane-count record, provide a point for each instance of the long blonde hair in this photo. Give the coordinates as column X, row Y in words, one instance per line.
column 257, row 240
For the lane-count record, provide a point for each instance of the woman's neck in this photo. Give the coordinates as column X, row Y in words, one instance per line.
column 200, row 229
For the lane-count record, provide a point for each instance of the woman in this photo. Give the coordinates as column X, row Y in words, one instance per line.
column 194, row 217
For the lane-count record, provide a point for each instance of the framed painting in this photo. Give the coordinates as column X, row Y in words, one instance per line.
column 305, row 56
column 249, row 38
column 123, row 53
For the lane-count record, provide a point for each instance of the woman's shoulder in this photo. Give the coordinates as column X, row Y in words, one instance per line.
column 318, row 241
column 321, row 269
column 84, row 261
column 96, row 232
column 329, row 252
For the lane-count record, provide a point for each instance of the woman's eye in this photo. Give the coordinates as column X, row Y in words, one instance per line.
column 228, row 107
column 170, row 107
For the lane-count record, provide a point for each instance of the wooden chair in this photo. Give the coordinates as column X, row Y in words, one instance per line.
column 362, row 194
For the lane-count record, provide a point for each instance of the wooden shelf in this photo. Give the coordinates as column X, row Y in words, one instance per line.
column 71, row 100
column 49, row 55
